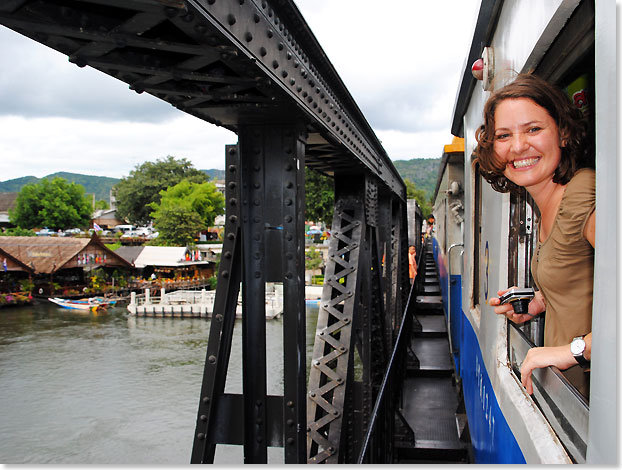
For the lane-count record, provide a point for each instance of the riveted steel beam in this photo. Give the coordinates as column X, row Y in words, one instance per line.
column 177, row 49
column 222, row 322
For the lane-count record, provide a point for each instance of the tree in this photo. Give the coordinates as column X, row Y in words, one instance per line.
column 55, row 204
column 102, row 204
column 145, row 184
column 319, row 196
column 184, row 210
column 419, row 194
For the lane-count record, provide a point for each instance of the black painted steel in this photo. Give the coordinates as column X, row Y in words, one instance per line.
column 255, row 67
column 222, row 323
column 355, row 325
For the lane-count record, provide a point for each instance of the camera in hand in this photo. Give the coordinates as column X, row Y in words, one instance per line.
column 519, row 298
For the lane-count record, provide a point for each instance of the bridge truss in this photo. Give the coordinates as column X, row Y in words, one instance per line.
column 255, row 67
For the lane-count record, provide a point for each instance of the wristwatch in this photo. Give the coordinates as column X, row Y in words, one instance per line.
column 577, row 348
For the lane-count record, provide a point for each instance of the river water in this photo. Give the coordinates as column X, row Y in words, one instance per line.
column 109, row 388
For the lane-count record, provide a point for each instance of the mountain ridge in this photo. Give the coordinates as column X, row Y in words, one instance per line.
column 421, row 171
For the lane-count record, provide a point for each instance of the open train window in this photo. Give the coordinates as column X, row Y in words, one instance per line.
column 523, row 237
column 477, row 238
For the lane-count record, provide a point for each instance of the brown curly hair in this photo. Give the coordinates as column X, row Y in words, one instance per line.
column 570, row 122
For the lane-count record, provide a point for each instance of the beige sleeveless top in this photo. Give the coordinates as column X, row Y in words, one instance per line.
column 563, row 265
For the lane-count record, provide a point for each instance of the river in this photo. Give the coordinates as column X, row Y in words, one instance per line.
column 109, row 388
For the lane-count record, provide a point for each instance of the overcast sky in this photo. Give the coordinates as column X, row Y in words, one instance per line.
column 402, row 64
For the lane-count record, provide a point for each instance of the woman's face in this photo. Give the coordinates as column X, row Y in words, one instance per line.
column 527, row 141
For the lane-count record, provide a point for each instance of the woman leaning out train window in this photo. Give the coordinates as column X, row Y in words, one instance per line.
column 534, row 137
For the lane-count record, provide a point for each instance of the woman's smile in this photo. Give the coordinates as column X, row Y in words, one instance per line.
column 527, row 140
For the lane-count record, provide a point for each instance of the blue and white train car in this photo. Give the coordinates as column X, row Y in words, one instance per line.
column 483, row 241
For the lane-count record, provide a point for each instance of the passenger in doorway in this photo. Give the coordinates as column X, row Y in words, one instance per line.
column 534, row 137
column 412, row 263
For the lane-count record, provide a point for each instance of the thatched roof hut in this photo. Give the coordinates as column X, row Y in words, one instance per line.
column 47, row 255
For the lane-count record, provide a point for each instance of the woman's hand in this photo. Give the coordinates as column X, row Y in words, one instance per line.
column 536, row 358
column 536, row 306
column 558, row 356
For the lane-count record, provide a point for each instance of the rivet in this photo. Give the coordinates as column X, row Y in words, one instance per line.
column 248, row 37
column 200, row 436
column 231, row 20
column 290, row 440
column 227, row 254
column 205, row 400
column 225, row 274
column 212, row 359
column 203, row 418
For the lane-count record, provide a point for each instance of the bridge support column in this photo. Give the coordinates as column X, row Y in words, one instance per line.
column 264, row 242
column 362, row 290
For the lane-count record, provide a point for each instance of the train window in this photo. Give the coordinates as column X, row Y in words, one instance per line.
column 477, row 235
column 523, row 236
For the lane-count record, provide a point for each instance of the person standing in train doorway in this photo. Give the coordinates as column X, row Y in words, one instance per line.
column 412, row 263
column 534, row 137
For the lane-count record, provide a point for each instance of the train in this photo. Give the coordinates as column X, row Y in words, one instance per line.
column 483, row 241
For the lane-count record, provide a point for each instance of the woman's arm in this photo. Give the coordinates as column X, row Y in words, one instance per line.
column 558, row 356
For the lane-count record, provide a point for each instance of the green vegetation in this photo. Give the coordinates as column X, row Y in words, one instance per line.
column 184, row 210
column 19, row 232
column 100, row 186
column 102, row 204
column 142, row 187
column 423, row 172
column 319, row 197
column 55, row 204
column 419, row 194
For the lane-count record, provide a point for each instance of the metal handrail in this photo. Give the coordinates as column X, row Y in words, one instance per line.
column 385, row 379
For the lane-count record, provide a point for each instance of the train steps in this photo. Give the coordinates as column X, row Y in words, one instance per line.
column 432, row 405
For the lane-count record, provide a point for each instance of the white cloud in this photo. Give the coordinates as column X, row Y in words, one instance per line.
column 401, row 60
column 40, row 146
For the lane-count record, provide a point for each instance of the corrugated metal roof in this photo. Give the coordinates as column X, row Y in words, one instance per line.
column 164, row 256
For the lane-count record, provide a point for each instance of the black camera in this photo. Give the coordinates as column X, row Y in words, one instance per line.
column 519, row 298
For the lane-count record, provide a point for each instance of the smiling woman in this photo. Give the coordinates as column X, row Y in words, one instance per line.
column 533, row 137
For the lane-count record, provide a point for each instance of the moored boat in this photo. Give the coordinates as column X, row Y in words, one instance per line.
column 92, row 303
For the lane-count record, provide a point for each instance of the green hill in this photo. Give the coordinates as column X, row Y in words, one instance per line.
column 98, row 185
column 215, row 174
column 421, row 171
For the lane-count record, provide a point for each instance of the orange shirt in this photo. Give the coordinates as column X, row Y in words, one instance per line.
column 412, row 265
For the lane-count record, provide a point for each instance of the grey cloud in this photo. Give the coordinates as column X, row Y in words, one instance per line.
column 39, row 82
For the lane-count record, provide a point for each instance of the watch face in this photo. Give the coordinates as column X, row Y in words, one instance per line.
column 577, row 346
